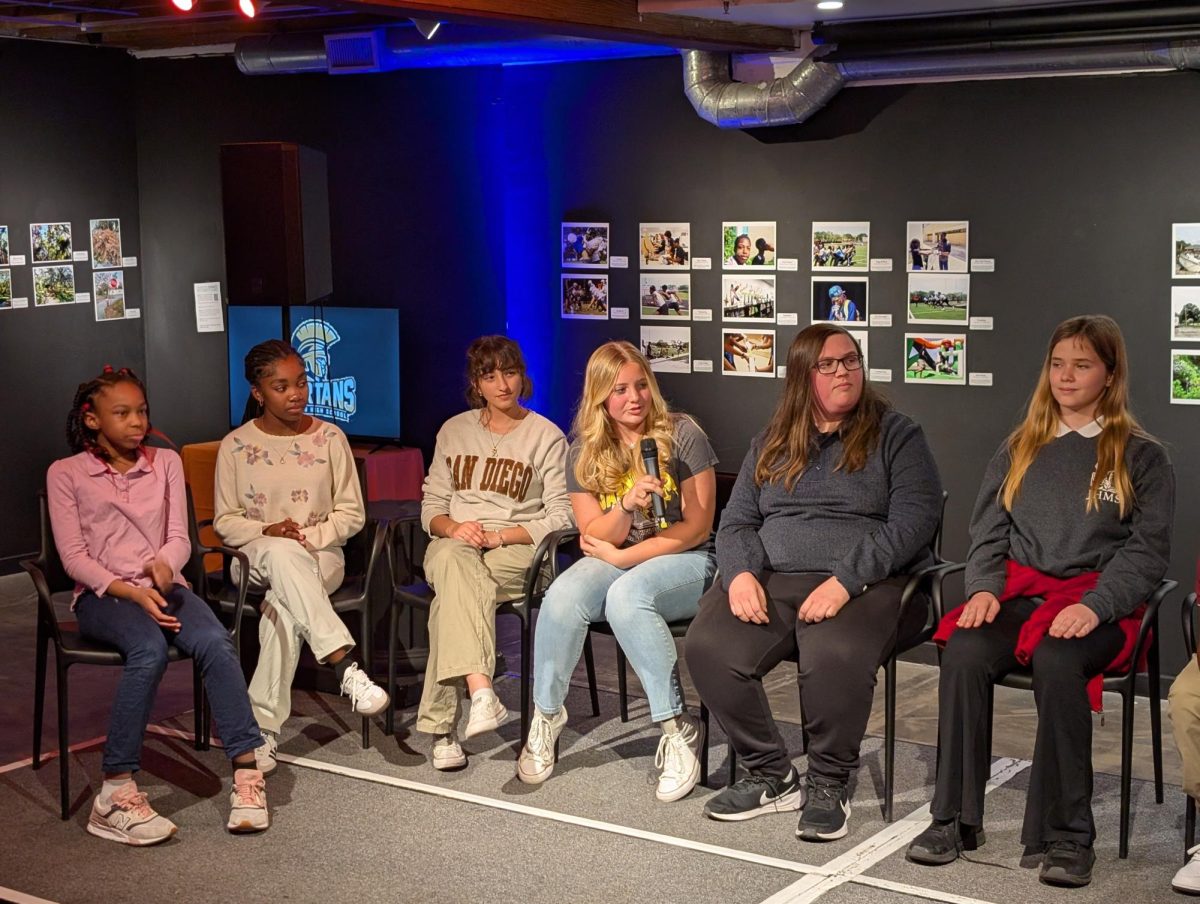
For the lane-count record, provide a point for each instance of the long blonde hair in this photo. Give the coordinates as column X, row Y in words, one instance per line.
column 791, row 434
column 1041, row 419
column 603, row 459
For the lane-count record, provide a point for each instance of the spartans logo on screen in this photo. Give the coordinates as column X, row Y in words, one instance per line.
column 332, row 398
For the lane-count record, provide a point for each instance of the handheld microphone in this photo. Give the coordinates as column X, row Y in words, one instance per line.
column 649, row 450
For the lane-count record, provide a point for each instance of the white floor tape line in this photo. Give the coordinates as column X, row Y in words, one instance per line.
column 849, row 866
column 581, row 821
column 12, row 896
column 916, row 891
column 52, row 755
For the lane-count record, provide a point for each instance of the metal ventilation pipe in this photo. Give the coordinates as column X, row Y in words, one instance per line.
column 795, row 97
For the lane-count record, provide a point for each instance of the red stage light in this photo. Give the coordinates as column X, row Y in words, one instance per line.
column 249, row 10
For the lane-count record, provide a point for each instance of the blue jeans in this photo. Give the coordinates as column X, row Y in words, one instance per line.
column 128, row 627
column 637, row 603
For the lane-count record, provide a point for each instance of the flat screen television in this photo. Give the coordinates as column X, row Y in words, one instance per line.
column 352, row 356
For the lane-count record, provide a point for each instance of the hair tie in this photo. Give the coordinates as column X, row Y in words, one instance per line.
column 124, row 371
column 86, row 406
column 107, row 369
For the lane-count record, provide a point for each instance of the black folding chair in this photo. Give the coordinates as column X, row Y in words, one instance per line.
column 71, row 648
column 1124, row 684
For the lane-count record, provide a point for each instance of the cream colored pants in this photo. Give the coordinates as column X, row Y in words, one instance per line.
column 468, row 584
column 1184, row 706
column 297, row 582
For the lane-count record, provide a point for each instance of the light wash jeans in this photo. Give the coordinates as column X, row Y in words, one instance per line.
column 637, row 603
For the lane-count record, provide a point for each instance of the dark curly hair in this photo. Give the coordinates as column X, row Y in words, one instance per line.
column 82, row 438
column 489, row 353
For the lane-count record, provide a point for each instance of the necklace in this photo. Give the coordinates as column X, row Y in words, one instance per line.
column 495, row 438
column 273, row 439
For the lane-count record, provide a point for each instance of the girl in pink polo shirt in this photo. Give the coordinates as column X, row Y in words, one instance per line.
column 117, row 509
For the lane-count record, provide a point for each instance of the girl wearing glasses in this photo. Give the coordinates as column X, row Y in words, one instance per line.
column 837, row 501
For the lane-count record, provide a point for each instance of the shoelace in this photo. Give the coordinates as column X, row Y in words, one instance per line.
column 356, row 685
column 249, row 793
column 753, row 781
column 136, row 803
column 669, row 757
column 823, row 796
column 1064, row 847
column 541, row 740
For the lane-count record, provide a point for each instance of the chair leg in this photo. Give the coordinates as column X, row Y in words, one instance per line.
column 889, row 736
column 1189, row 827
column 39, row 696
column 368, row 666
column 64, row 780
column 526, row 677
column 1156, row 719
column 389, row 720
column 622, row 684
column 198, row 708
column 589, row 663
column 1126, row 767
column 704, row 720
column 731, row 759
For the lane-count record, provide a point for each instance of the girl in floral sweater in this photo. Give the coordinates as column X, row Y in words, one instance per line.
column 287, row 494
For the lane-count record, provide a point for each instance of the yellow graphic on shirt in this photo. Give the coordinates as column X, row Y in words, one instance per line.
column 643, row 519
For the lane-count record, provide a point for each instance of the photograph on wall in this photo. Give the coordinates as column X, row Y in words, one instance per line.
column 50, row 242
column 5, row 289
column 748, row 354
column 668, row 348
column 935, row 358
column 939, row 297
column 665, row 246
column 748, row 246
column 1185, row 250
column 106, row 243
column 584, row 297
column 748, row 299
column 842, row 300
column 3, row 246
column 108, row 293
column 666, row 299
column 863, row 338
column 1185, row 314
column 53, row 285
column 841, row 245
column 1185, row 376
column 936, row 245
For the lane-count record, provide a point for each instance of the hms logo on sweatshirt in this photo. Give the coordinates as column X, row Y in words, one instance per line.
column 1108, row 490
column 497, row 475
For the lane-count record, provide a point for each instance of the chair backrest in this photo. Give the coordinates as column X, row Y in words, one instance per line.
column 725, row 482
column 1189, row 623
column 48, row 575
column 936, row 545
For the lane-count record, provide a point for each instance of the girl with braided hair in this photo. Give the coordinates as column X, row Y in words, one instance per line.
column 117, row 509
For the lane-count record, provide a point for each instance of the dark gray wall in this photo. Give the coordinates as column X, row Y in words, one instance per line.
column 412, row 205
column 69, row 154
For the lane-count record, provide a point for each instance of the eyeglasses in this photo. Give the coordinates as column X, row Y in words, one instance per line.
column 830, row 365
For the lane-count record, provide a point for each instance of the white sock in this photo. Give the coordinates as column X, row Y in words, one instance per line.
column 109, row 788
column 482, row 693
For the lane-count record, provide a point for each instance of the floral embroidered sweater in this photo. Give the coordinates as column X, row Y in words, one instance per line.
column 310, row 478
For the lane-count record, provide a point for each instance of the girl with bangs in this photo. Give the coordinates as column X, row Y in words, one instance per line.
column 836, row 502
column 639, row 572
column 496, row 487
column 1070, row 535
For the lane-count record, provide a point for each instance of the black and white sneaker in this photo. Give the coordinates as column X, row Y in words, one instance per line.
column 755, row 795
column 826, row 814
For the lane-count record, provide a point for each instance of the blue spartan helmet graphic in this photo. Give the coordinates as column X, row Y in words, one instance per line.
column 312, row 340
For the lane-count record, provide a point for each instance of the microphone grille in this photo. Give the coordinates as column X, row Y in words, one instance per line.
column 649, row 448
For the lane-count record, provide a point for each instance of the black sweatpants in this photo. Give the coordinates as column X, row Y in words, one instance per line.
column 838, row 661
column 1058, row 806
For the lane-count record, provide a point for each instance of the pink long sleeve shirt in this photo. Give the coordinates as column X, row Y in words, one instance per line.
column 108, row 526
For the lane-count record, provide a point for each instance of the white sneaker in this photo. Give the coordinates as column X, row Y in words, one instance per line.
column 487, row 713
column 248, row 803
column 264, row 754
column 541, row 750
column 366, row 697
column 448, row 753
column 129, row 819
column 679, row 759
column 1187, row 880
